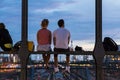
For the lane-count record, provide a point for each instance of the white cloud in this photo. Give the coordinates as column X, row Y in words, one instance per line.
column 77, row 6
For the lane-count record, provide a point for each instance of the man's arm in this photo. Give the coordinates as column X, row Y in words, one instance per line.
column 69, row 38
column 54, row 41
column 54, row 38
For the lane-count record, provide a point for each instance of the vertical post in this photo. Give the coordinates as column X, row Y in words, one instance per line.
column 99, row 50
column 23, row 52
column 24, row 20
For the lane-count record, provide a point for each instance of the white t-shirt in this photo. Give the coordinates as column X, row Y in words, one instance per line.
column 61, row 36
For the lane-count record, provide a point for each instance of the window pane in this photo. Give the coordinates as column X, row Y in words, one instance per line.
column 10, row 12
column 111, row 28
column 10, row 15
column 79, row 19
column 111, row 18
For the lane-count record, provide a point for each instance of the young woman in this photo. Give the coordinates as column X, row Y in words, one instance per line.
column 44, row 37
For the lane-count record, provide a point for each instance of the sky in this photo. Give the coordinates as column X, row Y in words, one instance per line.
column 79, row 16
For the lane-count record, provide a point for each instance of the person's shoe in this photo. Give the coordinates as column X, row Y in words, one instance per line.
column 58, row 76
column 67, row 69
column 47, row 67
column 56, row 69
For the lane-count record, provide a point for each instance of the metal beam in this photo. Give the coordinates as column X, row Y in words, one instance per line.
column 99, row 50
column 23, row 52
column 24, row 20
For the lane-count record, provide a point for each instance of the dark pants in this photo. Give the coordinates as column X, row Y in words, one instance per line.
column 61, row 50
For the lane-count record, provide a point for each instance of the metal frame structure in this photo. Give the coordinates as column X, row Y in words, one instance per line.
column 98, row 52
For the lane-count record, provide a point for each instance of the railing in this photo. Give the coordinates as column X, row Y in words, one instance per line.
column 23, row 69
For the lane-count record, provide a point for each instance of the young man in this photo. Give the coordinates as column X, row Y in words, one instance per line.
column 6, row 42
column 61, row 38
column 44, row 40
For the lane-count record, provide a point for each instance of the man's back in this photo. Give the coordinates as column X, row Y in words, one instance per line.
column 5, row 36
column 5, row 40
column 61, row 36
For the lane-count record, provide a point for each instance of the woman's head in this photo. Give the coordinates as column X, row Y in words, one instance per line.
column 44, row 23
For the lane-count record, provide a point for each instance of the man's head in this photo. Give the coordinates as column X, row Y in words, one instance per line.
column 44, row 23
column 2, row 25
column 61, row 23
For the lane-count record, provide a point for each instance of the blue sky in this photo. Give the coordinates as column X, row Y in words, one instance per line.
column 79, row 16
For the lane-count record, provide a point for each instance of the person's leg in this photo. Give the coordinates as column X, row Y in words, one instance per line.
column 67, row 63
column 47, row 59
column 67, row 60
column 56, row 63
column 44, row 58
column 55, row 60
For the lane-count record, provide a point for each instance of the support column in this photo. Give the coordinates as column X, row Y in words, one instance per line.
column 99, row 50
column 23, row 52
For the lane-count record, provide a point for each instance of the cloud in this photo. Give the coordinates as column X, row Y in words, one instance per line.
column 76, row 7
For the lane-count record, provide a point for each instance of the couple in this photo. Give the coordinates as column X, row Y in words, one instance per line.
column 61, row 38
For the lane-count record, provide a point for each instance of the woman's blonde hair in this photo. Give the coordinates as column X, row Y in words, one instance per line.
column 44, row 23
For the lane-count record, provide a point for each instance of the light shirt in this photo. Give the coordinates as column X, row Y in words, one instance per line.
column 61, row 36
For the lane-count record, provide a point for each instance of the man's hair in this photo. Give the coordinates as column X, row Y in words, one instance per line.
column 60, row 22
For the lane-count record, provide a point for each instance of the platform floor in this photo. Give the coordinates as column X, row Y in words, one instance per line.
column 83, row 73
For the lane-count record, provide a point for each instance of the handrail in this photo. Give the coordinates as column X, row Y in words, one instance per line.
column 70, row 52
